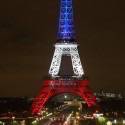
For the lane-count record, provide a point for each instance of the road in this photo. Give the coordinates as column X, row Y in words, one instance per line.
column 65, row 116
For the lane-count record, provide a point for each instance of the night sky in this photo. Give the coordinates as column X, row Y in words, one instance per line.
column 28, row 31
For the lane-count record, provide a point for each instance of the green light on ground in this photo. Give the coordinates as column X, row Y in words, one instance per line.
column 101, row 120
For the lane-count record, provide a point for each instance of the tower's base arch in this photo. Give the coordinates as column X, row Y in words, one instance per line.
column 52, row 88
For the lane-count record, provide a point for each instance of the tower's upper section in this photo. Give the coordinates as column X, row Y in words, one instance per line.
column 66, row 45
column 66, row 32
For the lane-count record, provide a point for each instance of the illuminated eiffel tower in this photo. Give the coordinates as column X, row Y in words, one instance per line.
column 66, row 46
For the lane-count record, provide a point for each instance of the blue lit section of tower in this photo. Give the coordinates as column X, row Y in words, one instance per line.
column 66, row 32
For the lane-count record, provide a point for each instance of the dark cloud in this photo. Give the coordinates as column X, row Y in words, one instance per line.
column 28, row 32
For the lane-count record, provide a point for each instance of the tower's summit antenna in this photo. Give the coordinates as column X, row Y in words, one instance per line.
column 66, row 31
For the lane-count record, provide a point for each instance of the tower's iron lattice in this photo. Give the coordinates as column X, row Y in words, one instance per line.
column 66, row 46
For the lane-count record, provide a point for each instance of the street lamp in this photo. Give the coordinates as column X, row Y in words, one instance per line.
column 65, row 96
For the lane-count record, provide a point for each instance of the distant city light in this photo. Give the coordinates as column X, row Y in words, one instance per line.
column 115, row 121
column 96, row 115
column 101, row 119
column 123, row 121
column 109, row 123
column 65, row 96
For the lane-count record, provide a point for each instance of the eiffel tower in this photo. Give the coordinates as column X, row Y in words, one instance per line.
column 65, row 77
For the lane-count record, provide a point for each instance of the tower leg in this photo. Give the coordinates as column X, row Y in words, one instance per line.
column 89, row 98
column 56, row 61
column 40, row 101
column 76, row 62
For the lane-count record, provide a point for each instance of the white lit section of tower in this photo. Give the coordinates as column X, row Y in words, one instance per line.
column 66, row 43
